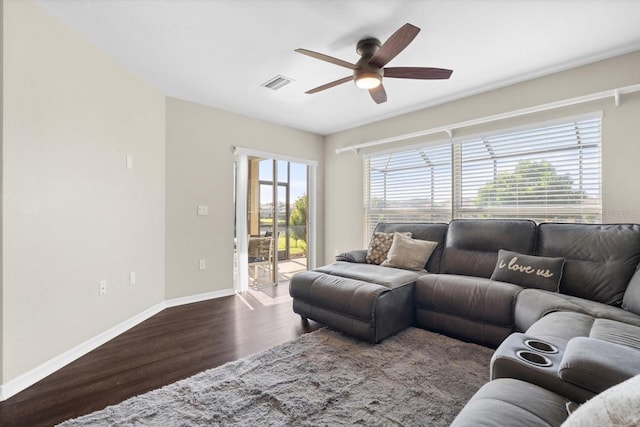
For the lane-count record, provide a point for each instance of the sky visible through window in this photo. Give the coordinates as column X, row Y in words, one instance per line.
column 297, row 182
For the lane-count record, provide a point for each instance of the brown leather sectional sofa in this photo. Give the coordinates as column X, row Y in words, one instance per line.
column 568, row 343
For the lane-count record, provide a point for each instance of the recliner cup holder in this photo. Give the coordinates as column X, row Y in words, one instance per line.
column 534, row 358
column 541, row 346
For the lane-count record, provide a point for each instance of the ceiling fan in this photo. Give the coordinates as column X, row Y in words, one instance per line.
column 370, row 68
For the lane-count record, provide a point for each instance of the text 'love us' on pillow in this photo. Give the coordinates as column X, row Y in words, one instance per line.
column 528, row 271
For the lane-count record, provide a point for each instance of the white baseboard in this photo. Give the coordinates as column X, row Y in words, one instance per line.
column 199, row 297
column 28, row 379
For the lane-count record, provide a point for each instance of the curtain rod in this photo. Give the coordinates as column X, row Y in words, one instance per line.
column 615, row 93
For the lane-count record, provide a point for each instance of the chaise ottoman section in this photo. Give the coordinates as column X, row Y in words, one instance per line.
column 472, row 308
column 386, row 276
column 369, row 311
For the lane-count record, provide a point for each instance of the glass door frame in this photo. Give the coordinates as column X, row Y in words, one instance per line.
column 241, row 207
column 275, row 186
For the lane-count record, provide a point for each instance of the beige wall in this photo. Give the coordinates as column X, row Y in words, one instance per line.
column 200, row 157
column 73, row 214
column 620, row 140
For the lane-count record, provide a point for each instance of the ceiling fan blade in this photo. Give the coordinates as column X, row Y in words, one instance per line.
column 417, row 73
column 330, row 85
column 394, row 45
column 378, row 94
column 327, row 58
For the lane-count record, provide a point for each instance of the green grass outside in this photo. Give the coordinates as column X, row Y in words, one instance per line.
column 296, row 247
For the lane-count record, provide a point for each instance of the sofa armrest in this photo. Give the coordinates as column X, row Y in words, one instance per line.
column 597, row 365
column 358, row 255
column 534, row 304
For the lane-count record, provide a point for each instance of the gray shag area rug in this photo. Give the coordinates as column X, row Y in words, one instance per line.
column 414, row 378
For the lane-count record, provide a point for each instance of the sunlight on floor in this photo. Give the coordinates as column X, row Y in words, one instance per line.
column 269, row 294
column 267, row 299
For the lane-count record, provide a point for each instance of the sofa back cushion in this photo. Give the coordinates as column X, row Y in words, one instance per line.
column 600, row 259
column 631, row 300
column 472, row 246
column 433, row 232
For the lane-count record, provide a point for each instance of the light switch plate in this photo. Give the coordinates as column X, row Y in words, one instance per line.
column 203, row 210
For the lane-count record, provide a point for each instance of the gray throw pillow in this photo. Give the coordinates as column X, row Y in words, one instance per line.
column 409, row 253
column 528, row 271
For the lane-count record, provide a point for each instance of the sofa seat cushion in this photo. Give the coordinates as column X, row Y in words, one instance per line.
column 616, row 332
column 533, row 304
column 385, row 276
column 469, row 297
column 471, row 308
column 560, row 327
column 509, row 402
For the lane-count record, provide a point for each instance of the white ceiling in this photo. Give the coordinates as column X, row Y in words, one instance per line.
column 219, row 52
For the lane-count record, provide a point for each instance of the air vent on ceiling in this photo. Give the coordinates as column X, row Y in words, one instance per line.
column 277, row 82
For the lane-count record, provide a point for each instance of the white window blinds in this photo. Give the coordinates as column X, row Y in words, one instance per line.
column 546, row 174
column 549, row 173
column 408, row 186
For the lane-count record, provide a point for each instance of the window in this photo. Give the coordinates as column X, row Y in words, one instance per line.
column 548, row 173
column 408, row 186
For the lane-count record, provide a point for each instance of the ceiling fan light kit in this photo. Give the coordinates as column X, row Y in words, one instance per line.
column 369, row 70
column 368, row 80
column 367, row 76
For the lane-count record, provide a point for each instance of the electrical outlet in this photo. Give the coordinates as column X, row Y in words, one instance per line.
column 132, row 278
column 203, row 210
column 203, row 264
column 103, row 287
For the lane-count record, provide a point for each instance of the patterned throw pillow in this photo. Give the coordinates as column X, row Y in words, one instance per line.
column 529, row 271
column 379, row 247
column 409, row 253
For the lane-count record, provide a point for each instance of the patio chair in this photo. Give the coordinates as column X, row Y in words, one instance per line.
column 261, row 255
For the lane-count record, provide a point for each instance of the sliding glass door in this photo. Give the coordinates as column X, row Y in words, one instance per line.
column 277, row 220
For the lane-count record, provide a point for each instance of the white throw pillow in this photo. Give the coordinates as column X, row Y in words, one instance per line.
column 616, row 406
column 409, row 253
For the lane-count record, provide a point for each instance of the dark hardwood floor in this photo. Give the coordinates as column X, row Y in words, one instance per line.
column 172, row 345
